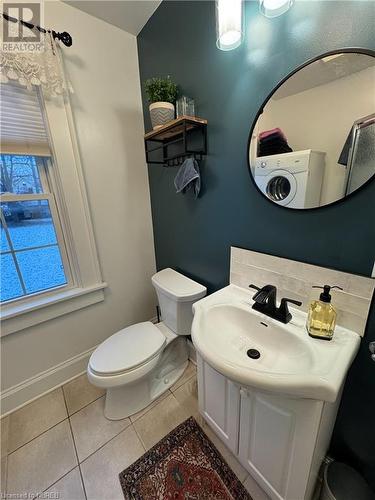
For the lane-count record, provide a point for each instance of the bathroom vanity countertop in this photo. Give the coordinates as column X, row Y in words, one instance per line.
column 225, row 327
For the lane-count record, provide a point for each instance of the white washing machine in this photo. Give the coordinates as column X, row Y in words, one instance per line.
column 291, row 179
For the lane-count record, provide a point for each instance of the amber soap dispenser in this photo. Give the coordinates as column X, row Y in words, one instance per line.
column 321, row 319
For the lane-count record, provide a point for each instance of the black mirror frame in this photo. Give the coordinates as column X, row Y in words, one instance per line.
column 353, row 50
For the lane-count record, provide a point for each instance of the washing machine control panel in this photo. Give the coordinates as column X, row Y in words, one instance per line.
column 273, row 164
column 268, row 164
column 291, row 162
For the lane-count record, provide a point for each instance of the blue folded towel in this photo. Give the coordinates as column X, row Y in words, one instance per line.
column 188, row 177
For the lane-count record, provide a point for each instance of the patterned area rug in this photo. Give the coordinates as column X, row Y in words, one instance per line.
column 184, row 465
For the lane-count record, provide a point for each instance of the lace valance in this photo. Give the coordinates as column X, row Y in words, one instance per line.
column 42, row 67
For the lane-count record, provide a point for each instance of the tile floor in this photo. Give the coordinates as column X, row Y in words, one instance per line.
column 61, row 445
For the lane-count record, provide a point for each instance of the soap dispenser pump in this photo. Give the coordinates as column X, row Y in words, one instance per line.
column 321, row 319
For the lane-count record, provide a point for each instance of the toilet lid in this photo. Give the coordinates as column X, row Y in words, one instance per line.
column 127, row 349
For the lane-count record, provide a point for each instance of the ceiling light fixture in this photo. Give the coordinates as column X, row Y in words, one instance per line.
column 274, row 8
column 229, row 24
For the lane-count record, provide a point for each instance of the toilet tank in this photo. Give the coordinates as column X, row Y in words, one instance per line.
column 176, row 295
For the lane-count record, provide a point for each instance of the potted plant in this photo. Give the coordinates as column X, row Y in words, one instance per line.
column 162, row 94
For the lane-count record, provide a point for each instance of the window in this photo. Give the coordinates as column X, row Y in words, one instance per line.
column 33, row 255
column 48, row 257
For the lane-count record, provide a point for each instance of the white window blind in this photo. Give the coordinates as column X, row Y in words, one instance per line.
column 22, row 126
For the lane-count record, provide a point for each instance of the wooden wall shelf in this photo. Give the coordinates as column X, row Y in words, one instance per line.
column 179, row 133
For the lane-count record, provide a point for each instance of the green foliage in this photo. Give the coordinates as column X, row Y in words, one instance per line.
column 161, row 89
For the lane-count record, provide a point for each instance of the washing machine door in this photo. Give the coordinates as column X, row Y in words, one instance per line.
column 279, row 186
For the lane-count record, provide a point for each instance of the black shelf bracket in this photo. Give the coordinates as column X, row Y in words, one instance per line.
column 187, row 139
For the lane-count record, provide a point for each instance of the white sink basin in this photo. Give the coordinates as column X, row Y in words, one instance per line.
column 225, row 327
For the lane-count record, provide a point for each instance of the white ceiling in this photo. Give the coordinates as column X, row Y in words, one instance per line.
column 129, row 15
column 324, row 71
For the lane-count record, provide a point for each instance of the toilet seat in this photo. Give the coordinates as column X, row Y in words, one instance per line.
column 127, row 350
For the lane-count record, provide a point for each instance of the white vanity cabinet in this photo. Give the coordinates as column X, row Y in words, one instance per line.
column 281, row 441
column 219, row 403
column 277, row 441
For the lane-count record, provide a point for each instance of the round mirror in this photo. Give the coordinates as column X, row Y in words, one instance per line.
column 313, row 141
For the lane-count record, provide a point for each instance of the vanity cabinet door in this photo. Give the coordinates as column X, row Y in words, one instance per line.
column 219, row 403
column 277, row 440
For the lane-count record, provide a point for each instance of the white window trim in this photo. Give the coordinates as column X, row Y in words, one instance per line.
column 69, row 186
column 59, row 237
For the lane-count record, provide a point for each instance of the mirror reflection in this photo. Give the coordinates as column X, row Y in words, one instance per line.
column 314, row 142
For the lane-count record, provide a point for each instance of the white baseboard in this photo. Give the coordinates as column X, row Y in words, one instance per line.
column 21, row 394
column 33, row 388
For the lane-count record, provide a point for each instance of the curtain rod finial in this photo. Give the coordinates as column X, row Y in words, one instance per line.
column 65, row 38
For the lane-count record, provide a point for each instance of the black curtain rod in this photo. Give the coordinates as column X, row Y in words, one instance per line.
column 64, row 37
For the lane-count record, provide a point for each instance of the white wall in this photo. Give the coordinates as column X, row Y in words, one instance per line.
column 321, row 118
column 103, row 67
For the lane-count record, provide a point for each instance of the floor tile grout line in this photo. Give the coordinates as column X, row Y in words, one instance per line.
column 85, row 406
column 178, row 380
column 79, row 468
column 71, row 431
column 151, row 407
column 4, row 453
column 145, row 450
column 102, row 446
column 4, row 488
column 244, row 481
column 168, row 390
column 75, row 446
column 53, row 484
column 157, row 404
column 43, row 432
column 82, row 481
column 36, row 437
column 179, row 405
column 174, row 397
column 54, row 425
column 140, row 439
column 186, row 381
column 131, row 424
column 69, row 416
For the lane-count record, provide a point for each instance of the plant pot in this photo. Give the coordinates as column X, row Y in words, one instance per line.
column 161, row 113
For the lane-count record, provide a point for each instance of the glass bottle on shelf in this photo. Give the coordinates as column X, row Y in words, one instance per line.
column 185, row 106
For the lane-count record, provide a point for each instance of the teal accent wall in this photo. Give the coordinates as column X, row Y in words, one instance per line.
column 194, row 236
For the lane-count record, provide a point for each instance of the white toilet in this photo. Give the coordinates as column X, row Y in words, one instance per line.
column 137, row 364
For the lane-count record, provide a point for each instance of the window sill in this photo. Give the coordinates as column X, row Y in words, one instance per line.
column 16, row 317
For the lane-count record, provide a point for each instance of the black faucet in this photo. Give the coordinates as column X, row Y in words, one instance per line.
column 265, row 302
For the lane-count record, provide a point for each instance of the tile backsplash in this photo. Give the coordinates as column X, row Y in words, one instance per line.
column 294, row 280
